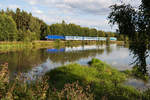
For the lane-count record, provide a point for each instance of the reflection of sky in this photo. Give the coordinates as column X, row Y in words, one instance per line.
column 118, row 58
column 138, row 83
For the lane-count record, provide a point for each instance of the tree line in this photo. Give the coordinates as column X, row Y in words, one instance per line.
column 20, row 25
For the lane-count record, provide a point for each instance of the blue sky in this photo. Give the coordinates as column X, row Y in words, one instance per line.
column 88, row 13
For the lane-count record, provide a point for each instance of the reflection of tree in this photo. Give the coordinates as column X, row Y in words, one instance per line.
column 24, row 60
column 73, row 56
column 108, row 50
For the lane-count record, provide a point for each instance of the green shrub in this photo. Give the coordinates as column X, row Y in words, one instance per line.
column 105, row 81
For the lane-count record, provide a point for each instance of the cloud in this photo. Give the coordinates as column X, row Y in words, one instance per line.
column 36, row 10
column 98, row 7
column 85, row 6
column 32, row 2
column 91, row 6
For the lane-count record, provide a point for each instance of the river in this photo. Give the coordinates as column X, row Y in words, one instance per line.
column 36, row 62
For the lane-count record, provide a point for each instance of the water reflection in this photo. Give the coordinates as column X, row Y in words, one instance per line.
column 38, row 62
column 138, row 83
column 25, row 60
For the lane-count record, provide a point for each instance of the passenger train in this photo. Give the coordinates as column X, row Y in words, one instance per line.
column 55, row 37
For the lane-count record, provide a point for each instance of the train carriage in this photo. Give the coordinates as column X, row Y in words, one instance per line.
column 69, row 37
column 54, row 37
column 102, row 38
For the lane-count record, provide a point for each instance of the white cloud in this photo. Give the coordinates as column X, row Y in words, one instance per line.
column 36, row 10
column 32, row 2
column 100, row 7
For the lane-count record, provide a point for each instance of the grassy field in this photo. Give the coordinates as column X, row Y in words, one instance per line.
column 14, row 46
column 98, row 81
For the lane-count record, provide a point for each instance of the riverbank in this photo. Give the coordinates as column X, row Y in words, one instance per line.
column 106, row 83
column 14, row 46
column 98, row 81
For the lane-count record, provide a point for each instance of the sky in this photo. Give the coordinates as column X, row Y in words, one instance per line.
column 87, row 13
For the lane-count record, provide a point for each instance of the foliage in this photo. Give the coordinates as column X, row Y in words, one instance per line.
column 7, row 28
column 28, row 27
column 123, row 16
column 135, row 24
column 31, row 28
column 104, row 81
column 76, row 30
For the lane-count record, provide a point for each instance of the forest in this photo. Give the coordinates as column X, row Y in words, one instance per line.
column 20, row 25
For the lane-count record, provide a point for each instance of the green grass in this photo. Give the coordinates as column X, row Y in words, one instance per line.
column 15, row 46
column 104, row 80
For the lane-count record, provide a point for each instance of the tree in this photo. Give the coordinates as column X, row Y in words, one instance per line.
column 125, row 17
column 45, row 30
column 30, row 26
column 136, row 25
column 7, row 28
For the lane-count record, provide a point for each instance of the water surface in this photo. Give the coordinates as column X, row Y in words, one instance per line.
column 34, row 62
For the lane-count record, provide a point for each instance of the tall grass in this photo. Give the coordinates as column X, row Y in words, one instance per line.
column 25, row 89
column 105, row 81
column 98, row 81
